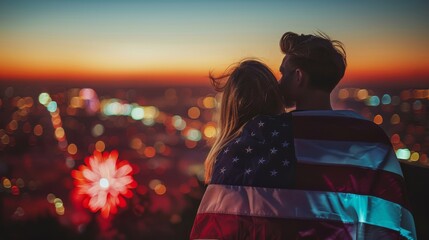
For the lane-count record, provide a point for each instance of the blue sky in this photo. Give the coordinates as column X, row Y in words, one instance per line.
column 202, row 35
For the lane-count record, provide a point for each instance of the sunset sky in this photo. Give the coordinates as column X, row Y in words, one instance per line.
column 181, row 41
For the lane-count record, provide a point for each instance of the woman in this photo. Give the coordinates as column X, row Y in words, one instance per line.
column 250, row 90
column 241, row 154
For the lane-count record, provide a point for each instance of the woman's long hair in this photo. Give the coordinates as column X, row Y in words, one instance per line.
column 251, row 89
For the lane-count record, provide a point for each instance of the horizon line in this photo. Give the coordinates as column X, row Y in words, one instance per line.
column 202, row 82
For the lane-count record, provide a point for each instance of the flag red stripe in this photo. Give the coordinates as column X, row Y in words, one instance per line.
column 352, row 179
column 338, row 128
column 229, row 226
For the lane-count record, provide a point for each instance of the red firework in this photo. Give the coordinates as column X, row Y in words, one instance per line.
column 104, row 181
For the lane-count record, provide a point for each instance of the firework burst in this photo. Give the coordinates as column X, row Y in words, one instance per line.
column 103, row 181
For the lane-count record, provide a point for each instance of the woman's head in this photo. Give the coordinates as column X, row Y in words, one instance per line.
column 250, row 89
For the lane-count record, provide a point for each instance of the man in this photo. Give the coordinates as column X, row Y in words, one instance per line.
column 314, row 173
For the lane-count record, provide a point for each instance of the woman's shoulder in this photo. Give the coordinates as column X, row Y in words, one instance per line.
column 264, row 126
column 263, row 145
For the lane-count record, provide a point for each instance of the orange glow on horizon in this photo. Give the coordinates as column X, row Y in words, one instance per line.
column 196, row 77
column 166, row 77
column 187, row 73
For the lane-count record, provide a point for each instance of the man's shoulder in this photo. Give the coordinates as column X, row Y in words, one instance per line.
column 343, row 125
column 328, row 113
column 343, row 117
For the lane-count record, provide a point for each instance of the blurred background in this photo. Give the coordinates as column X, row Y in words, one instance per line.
column 130, row 77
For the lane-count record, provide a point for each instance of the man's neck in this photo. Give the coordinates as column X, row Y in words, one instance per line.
column 314, row 100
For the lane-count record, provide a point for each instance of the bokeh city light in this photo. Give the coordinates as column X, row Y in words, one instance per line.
column 163, row 133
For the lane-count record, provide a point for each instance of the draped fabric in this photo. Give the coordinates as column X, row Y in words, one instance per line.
column 306, row 175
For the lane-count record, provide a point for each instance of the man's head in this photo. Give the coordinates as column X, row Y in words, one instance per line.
column 312, row 62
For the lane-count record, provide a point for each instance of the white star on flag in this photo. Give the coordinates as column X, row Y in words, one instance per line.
column 285, row 144
column 261, row 124
column 226, row 150
column 238, row 140
column 235, row 159
column 273, row 150
column 222, row 170
column 249, row 149
column 261, row 161
column 248, row 171
column 273, row 173
column 275, row 133
column 285, row 162
column 252, row 134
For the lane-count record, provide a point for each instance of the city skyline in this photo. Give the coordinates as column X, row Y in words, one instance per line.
column 180, row 42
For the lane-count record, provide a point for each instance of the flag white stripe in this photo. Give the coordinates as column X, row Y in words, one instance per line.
column 315, row 205
column 377, row 156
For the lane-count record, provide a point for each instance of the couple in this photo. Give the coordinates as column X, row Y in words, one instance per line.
column 313, row 173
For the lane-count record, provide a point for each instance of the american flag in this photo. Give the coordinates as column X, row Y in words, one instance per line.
column 306, row 175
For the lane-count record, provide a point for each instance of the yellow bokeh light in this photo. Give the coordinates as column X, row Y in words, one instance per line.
column 72, row 149
column 151, row 112
column 414, row 156
column 60, row 210
column 362, row 94
column 58, row 200
column 209, row 102
column 160, row 189
column 100, row 146
column 210, row 131
column 7, row 183
column 194, row 112
column 378, row 119
column 76, row 102
column 59, row 133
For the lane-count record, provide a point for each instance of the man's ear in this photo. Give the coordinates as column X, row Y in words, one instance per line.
column 301, row 77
